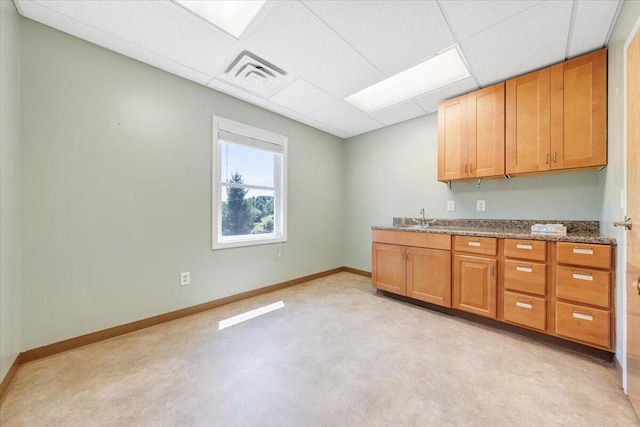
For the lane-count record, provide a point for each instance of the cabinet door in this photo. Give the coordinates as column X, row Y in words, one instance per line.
column 486, row 131
column 452, row 139
column 527, row 123
column 578, row 112
column 474, row 285
column 429, row 275
column 389, row 268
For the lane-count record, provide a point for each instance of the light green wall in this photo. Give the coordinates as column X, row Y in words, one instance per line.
column 612, row 178
column 393, row 172
column 10, row 334
column 116, row 169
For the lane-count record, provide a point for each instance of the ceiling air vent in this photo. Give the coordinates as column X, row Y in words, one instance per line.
column 256, row 75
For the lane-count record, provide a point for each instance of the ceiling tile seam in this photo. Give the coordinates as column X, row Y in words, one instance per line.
column 248, row 93
column 613, row 23
column 456, row 38
column 572, row 28
column 83, row 24
column 343, row 39
column 322, row 123
column 499, row 22
column 310, row 84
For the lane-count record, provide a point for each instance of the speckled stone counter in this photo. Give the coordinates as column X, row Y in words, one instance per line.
column 577, row 231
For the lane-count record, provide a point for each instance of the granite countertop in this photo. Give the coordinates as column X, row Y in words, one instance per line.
column 577, row 231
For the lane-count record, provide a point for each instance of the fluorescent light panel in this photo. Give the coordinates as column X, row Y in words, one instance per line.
column 230, row 16
column 434, row 73
column 249, row 315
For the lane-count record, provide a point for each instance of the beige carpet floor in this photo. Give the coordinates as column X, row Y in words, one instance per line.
column 337, row 354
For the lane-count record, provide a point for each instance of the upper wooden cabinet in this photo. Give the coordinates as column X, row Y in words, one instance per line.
column 579, row 112
column 527, row 123
column 471, row 135
column 452, row 139
column 556, row 117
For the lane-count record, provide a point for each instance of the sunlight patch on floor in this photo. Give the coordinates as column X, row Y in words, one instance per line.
column 249, row 315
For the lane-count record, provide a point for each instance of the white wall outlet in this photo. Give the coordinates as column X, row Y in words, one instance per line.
column 185, row 278
column 481, row 205
column 451, row 205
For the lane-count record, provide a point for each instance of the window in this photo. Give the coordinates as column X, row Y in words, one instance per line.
column 249, row 185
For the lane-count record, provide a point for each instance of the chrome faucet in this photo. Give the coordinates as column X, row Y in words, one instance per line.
column 423, row 222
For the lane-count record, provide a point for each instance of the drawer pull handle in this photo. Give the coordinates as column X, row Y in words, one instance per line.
column 524, row 304
column 584, row 316
column 583, row 251
column 524, row 268
column 581, row 275
column 473, row 243
column 527, row 246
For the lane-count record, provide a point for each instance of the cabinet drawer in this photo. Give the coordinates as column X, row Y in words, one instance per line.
column 583, row 285
column 410, row 238
column 526, row 249
column 589, row 325
column 525, row 310
column 476, row 245
column 523, row 276
column 598, row 256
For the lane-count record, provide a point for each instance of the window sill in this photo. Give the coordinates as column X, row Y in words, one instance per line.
column 247, row 242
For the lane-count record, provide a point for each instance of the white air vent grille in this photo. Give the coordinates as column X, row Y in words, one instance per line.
column 256, row 75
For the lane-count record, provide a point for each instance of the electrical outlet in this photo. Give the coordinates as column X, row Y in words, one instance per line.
column 451, row 205
column 481, row 205
column 185, row 278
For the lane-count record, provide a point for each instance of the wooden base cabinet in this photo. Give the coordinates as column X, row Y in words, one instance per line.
column 474, row 285
column 583, row 294
column 475, row 275
column 429, row 275
column 389, row 269
column 422, row 272
column 561, row 289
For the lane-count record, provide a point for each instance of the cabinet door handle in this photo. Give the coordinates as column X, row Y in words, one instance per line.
column 524, row 304
column 527, row 246
column 547, row 162
column 582, row 251
column 465, row 168
column 524, row 268
column 493, row 271
column 582, row 275
column 584, row 316
column 471, row 168
column 555, row 157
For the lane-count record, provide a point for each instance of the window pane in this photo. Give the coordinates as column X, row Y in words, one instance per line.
column 247, row 212
column 247, row 165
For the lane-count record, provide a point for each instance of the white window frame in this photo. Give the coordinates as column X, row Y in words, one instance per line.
column 280, row 203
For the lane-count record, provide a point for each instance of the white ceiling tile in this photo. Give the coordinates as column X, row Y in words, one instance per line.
column 342, row 115
column 468, row 17
column 336, row 48
column 392, row 35
column 293, row 38
column 429, row 102
column 161, row 27
column 39, row 13
column 531, row 40
column 398, row 113
column 302, row 97
column 324, row 127
column 591, row 25
column 252, row 98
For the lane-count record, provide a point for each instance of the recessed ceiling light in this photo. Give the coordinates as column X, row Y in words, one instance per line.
column 230, row 16
column 434, row 73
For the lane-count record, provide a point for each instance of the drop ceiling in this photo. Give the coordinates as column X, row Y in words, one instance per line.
column 332, row 49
